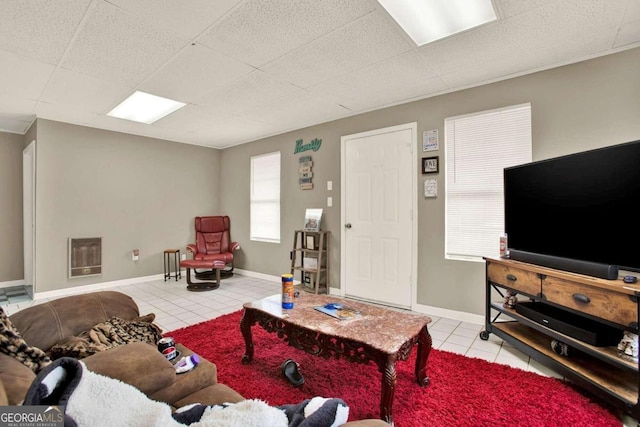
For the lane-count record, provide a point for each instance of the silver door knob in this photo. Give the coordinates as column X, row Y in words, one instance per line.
column 347, row 225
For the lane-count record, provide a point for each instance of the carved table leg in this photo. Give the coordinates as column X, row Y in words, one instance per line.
column 388, row 389
column 245, row 327
column 424, row 348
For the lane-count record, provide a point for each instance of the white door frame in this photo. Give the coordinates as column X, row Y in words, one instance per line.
column 413, row 127
column 29, row 212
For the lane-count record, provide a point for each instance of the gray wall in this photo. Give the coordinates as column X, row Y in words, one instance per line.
column 574, row 108
column 134, row 192
column 11, row 247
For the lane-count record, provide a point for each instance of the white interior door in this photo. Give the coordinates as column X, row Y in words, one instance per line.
column 378, row 201
column 28, row 209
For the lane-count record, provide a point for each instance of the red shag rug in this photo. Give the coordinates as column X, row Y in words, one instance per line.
column 463, row 391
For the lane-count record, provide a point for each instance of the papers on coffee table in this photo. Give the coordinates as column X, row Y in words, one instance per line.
column 338, row 311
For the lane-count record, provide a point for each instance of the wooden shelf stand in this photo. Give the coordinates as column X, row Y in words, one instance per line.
column 310, row 258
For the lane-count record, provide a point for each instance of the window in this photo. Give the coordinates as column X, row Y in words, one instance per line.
column 478, row 147
column 265, row 198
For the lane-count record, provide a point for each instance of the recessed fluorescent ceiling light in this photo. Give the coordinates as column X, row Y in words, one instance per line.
column 145, row 108
column 429, row 20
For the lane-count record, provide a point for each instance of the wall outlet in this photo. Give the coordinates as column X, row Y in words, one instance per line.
column 183, row 257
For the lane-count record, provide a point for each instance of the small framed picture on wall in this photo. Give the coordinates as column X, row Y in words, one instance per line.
column 430, row 164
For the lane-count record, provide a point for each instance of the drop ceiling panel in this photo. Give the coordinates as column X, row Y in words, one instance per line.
column 258, row 31
column 218, row 126
column 516, row 45
column 353, row 90
column 371, row 39
column 510, row 8
column 629, row 34
column 194, row 72
column 13, row 124
column 33, row 28
column 253, row 90
column 178, row 17
column 21, row 77
column 116, row 46
column 70, row 114
column 307, row 108
column 68, row 88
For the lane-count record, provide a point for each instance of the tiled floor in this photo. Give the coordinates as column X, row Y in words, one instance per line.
column 175, row 307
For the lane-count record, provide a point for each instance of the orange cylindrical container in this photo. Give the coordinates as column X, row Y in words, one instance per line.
column 287, row 291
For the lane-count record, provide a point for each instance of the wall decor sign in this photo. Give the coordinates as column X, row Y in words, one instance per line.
column 430, row 188
column 305, row 175
column 430, row 164
column 314, row 145
column 430, row 140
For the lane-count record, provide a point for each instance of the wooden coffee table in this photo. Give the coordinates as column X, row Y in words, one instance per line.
column 377, row 334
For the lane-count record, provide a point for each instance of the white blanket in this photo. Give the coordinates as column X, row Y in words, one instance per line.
column 94, row 400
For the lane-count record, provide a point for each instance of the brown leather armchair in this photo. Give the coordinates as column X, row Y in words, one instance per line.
column 213, row 243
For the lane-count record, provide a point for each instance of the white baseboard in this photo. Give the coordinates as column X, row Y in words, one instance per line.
column 262, row 276
column 95, row 287
column 461, row 316
column 12, row 283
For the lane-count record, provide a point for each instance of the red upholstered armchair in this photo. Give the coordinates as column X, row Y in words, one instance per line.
column 213, row 243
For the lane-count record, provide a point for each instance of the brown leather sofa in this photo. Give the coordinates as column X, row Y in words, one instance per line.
column 138, row 364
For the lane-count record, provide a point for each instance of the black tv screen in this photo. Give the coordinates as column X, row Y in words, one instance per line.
column 583, row 206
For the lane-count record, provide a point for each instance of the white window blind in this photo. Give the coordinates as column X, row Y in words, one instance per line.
column 265, row 198
column 478, row 147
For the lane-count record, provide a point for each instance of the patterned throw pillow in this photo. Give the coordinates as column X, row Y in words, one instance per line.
column 12, row 343
column 103, row 336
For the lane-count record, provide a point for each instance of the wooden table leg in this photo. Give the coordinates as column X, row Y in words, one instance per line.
column 388, row 389
column 245, row 327
column 424, row 348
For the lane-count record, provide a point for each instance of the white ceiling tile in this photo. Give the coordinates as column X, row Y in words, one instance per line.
column 33, row 28
column 308, row 108
column 371, row 39
column 195, row 71
column 14, row 124
column 84, row 92
column 633, row 12
column 23, row 77
column 259, row 31
column 404, row 77
column 253, row 90
column 510, row 8
column 222, row 126
column 523, row 42
column 185, row 18
column 628, row 34
column 114, row 45
column 18, row 106
column 65, row 113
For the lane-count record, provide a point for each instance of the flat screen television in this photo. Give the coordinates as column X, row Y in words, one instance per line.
column 579, row 212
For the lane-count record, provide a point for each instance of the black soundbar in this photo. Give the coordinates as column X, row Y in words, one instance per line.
column 603, row 271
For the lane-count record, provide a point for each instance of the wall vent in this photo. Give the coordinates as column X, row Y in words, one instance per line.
column 85, row 256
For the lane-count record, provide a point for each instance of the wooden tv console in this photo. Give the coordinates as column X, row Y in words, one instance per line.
column 599, row 370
